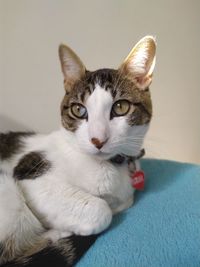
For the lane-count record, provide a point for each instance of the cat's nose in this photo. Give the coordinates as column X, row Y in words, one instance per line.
column 99, row 144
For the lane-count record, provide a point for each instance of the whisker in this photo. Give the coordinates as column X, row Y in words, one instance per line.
column 126, row 138
column 127, row 141
column 121, row 73
column 38, row 165
column 118, row 79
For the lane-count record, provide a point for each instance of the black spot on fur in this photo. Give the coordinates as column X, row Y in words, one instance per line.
column 11, row 143
column 50, row 257
column 64, row 253
column 31, row 166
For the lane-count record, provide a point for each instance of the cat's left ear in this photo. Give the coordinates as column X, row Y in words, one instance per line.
column 140, row 62
column 72, row 67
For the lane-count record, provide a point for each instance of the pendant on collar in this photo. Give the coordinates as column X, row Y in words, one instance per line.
column 136, row 174
column 137, row 180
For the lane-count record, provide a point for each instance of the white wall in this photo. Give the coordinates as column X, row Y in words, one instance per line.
column 102, row 33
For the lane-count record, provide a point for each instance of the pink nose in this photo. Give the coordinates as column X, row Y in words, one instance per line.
column 99, row 144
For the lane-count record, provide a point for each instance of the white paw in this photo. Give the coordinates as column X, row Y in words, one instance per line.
column 98, row 218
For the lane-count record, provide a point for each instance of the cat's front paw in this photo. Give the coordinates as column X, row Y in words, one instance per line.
column 97, row 217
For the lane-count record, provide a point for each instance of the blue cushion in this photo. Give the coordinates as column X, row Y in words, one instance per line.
column 163, row 226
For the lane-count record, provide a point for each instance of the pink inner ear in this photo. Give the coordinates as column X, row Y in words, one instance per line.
column 143, row 82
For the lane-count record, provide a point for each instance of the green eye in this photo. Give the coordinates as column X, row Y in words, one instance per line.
column 79, row 111
column 121, row 108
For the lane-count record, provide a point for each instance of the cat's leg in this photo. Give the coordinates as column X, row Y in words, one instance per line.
column 19, row 228
column 95, row 217
column 67, row 208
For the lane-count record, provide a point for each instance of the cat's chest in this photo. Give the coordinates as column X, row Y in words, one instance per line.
column 97, row 177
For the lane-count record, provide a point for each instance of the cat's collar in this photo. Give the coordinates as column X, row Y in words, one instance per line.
column 119, row 159
column 136, row 174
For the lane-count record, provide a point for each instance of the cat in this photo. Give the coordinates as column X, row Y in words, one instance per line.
column 59, row 191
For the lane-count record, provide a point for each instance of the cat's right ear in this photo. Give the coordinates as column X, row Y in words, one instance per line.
column 72, row 67
column 140, row 62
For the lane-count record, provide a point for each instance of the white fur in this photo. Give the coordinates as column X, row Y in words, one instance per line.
column 98, row 107
column 138, row 63
column 67, row 198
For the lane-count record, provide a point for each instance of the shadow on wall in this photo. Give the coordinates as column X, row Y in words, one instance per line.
column 8, row 124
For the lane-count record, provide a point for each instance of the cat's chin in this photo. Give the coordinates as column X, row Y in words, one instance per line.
column 100, row 155
column 103, row 155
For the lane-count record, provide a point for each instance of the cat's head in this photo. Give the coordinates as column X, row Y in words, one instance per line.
column 109, row 110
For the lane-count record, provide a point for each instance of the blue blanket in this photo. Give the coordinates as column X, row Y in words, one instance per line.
column 162, row 229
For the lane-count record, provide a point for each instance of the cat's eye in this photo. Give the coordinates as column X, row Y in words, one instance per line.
column 79, row 111
column 121, row 107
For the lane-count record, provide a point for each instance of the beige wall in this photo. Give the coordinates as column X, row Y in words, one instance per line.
column 102, row 33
